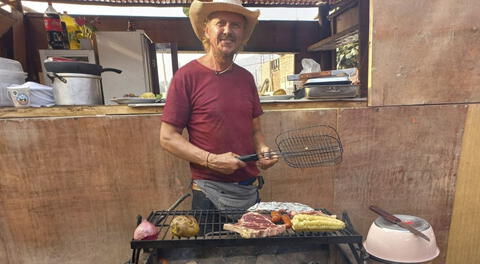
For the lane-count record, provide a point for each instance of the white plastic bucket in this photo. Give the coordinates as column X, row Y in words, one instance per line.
column 8, row 78
column 31, row 94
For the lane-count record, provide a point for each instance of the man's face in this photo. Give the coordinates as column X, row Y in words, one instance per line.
column 225, row 32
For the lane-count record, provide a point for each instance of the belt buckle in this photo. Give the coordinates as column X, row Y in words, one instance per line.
column 195, row 187
column 259, row 182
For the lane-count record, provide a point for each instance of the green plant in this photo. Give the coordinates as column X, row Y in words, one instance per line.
column 347, row 56
column 86, row 27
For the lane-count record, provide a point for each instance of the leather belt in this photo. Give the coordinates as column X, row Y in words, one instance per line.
column 258, row 182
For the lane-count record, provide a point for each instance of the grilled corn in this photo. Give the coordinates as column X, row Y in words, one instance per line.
column 315, row 223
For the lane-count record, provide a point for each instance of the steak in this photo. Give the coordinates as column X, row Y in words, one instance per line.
column 254, row 225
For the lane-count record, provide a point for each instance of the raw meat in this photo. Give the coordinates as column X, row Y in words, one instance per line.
column 254, row 225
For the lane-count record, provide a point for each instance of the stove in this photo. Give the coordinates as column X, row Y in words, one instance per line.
column 212, row 235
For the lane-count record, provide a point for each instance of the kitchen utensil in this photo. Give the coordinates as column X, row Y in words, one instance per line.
column 76, row 89
column 306, row 147
column 306, row 76
column 133, row 100
column 275, row 97
column 395, row 220
column 77, row 67
column 328, row 81
column 218, row 239
column 331, row 91
column 387, row 242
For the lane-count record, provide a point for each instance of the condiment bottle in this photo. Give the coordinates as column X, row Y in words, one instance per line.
column 53, row 27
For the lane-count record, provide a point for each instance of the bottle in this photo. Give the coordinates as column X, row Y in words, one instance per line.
column 53, row 27
column 131, row 26
column 66, row 45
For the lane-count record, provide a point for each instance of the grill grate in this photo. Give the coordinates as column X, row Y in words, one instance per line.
column 212, row 233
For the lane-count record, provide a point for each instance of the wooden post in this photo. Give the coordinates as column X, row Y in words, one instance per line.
column 363, row 6
column 327, row 60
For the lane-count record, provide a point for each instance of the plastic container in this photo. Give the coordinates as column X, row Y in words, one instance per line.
column 31, row 94
column 390, row 243
column 8, row 78
column 10, row 65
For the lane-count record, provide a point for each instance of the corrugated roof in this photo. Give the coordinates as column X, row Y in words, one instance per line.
column 249, row 3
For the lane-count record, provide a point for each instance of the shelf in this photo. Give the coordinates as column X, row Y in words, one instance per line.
column 345, row 37
column 6, row 21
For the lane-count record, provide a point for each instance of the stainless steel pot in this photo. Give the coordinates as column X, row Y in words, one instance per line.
column 76, row 89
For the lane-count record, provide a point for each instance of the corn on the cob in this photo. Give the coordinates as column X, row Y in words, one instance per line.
column 315, row 223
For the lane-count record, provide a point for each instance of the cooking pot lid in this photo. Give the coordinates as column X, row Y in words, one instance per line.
column 416, row 222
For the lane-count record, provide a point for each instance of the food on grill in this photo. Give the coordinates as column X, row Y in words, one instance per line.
column 184, row 226
column 276, row 217
column 315, row 223
column 267, row 207
column 253, row 225
column 145, row 231
column 286, row 221
column 293, row 213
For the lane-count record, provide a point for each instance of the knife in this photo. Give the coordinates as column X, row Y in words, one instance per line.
column 393, row 219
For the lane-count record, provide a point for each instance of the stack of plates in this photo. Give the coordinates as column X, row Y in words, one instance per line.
column 133, row 100
column 275, row 97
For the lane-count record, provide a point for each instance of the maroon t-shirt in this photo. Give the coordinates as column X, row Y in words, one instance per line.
column 217, row 110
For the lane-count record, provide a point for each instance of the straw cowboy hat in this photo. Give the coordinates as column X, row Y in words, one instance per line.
column 199, row 11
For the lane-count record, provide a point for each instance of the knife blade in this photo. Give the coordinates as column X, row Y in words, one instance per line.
column 395, row 220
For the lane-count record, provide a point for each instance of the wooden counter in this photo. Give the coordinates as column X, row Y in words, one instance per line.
column 59, row 111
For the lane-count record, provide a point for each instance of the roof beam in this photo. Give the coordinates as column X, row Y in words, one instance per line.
column 186, row 3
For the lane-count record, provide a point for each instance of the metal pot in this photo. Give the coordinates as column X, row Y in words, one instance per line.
column 76, row 89
column 76, row 67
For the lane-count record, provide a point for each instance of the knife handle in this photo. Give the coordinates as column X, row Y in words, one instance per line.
column 385, row 214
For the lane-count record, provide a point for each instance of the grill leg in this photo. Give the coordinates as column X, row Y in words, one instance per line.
column 135, row 256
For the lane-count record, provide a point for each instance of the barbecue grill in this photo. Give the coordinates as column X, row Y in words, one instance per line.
column 213, row 234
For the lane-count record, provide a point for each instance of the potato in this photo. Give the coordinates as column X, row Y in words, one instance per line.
column 184, row 226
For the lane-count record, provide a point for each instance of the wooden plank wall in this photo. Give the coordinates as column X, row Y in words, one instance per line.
column 70, row 188
column 403, row 159
column 425, row 52
column 464, row 234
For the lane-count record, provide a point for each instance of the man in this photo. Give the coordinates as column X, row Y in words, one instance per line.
column 217, row 101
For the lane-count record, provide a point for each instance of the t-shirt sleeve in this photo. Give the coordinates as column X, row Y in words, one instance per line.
column 257, row 107
column 178, row 104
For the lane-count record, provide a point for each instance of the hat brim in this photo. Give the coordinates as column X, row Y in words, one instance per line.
column 199, row 11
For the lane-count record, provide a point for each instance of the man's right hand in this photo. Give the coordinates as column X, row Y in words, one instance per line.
column 225, row 163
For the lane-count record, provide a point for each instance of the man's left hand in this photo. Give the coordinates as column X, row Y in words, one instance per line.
column 266, row 159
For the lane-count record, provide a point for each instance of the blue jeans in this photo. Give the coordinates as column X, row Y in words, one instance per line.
column 201, row 202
